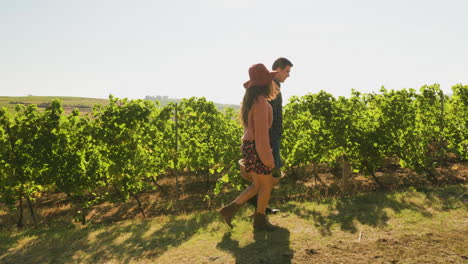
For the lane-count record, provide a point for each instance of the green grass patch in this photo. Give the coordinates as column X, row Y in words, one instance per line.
column 410, row 226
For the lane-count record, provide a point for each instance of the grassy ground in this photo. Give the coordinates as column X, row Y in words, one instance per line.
column 426, row 225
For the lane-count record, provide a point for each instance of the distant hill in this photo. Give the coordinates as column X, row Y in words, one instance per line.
column 164, row 100
column 84, row 104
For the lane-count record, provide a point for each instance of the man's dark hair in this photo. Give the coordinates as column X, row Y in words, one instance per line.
column 281, row 63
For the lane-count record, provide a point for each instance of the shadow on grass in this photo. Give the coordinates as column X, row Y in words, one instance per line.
column 268, row 247
column 100, row 243
column 372, row 209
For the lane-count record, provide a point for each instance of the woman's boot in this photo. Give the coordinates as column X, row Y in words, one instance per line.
column 261, row 223
column 229, row 211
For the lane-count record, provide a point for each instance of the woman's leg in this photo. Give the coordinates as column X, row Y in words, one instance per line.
column 260, row 220
column 264, row 192
column 250, row 191
column 231, row 209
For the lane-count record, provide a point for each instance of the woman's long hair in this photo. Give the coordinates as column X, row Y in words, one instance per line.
column 251, row 94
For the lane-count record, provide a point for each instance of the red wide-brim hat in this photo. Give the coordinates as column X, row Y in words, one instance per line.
column 259, row 76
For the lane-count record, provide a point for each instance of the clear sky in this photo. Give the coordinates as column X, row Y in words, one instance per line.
column 93, row 48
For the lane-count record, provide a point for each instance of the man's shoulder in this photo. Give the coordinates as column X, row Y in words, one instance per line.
column 278, row 100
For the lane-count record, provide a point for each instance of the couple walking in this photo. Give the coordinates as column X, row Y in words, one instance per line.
column 261, row 114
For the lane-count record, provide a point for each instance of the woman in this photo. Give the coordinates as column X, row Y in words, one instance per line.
column 257, row 117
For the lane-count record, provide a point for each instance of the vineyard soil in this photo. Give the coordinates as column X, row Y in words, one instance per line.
column 421, row 224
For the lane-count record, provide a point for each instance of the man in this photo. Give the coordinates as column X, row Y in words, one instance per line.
column 283, row 67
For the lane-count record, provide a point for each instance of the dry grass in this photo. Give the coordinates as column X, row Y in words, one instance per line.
column 426, row 225
column 401, row 225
